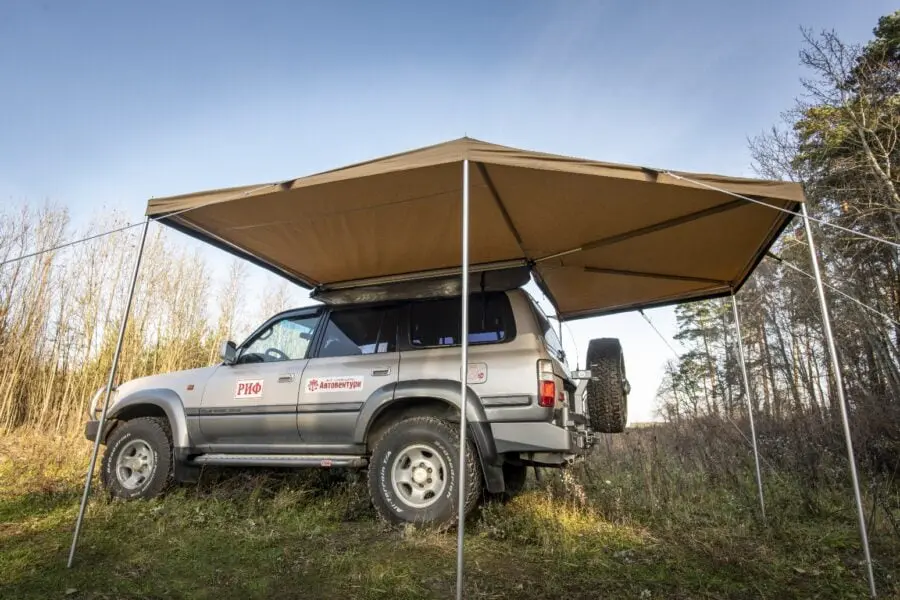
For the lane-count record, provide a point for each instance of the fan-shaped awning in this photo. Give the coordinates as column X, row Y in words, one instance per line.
column 601, row 237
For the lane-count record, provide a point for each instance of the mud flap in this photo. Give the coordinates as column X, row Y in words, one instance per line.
column 493, row 478
column 487, row 453
column 182, row 470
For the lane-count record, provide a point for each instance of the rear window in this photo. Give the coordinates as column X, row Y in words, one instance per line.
column 551, row 340
column 437, row 322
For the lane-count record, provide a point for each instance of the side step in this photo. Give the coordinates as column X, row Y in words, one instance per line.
column 281, row 460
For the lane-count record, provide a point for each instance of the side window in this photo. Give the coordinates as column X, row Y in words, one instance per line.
column 287, row 339
column 437, row 322
column 360, row 331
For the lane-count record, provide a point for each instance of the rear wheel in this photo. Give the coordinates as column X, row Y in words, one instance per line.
column 607, row 392
column 414, row 473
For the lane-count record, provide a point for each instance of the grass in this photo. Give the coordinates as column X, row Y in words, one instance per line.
column 598, row 532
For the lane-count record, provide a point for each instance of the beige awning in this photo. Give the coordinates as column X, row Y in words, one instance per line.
column 601, row 237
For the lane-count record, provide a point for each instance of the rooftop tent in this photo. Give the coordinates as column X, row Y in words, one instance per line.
column 600, row 237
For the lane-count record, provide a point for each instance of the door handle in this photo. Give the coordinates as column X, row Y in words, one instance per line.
column 381, row 372
column 286, row 378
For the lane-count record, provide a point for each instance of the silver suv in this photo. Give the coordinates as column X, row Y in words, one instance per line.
column 372, row 385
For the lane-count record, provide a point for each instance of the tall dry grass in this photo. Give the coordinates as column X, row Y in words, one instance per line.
column 60, row 314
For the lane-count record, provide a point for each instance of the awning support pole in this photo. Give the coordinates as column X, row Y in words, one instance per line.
column 839, row 386
column 463, row 378
column 747, row 394
column 109, row 385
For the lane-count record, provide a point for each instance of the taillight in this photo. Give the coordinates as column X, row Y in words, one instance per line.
column 547, row 397
column 546, row 384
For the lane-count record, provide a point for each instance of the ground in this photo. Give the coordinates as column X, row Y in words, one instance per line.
column 271, row 534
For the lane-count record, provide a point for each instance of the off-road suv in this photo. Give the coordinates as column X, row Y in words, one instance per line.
column 373, row 385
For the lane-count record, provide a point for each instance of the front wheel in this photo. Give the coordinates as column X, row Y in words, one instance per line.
column 138, row 459
column 414, row 473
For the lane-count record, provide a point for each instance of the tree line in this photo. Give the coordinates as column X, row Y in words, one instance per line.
column 841, row 141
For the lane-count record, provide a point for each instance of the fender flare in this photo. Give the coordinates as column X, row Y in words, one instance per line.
column 447, row 391
column 166, row 399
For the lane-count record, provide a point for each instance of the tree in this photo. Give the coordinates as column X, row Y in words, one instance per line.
column 841, row 141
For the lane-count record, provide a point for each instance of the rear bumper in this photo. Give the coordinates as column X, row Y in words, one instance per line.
column 534, row 437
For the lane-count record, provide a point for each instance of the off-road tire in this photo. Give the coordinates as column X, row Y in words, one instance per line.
column 607, row 399
column 443, row 437
column 155, row 433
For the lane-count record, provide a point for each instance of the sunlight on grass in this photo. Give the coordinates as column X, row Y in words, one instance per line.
column 537, row 518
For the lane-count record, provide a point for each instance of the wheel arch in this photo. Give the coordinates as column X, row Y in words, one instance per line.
column 429, row 397
column 159, row 402
column 405, row 408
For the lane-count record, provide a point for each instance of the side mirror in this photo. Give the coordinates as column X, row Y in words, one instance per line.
column 228, row 352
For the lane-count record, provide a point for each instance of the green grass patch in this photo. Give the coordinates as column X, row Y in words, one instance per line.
column 269, row 534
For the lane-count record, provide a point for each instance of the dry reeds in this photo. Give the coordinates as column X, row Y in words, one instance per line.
column 60, row 314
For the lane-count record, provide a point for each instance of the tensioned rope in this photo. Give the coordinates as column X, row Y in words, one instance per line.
column 874, row 238
column 122, row 228
column 69, row 243
column 833, row 288
column 796, row 214
column 799, row 270
column 661, row 336
column 690, row 394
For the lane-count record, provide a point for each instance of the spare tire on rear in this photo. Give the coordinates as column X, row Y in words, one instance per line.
column 607, row 392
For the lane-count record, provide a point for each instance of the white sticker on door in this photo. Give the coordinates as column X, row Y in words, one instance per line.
column 477, row 373
column 248, row 388
column 317, row 385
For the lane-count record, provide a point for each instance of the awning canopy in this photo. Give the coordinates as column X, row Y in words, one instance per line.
column 600, row 237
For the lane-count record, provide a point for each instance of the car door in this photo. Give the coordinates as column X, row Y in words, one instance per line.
column 253, row 402
column 356, row 356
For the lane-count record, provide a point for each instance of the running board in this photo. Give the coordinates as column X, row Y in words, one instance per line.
column 281, row 460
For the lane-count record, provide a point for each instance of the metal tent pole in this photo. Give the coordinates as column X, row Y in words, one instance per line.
column 109, row 384
column 740, row 337
column 463, row 377
column 839, row 385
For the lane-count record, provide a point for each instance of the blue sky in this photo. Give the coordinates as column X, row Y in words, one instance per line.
column 105, row 104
